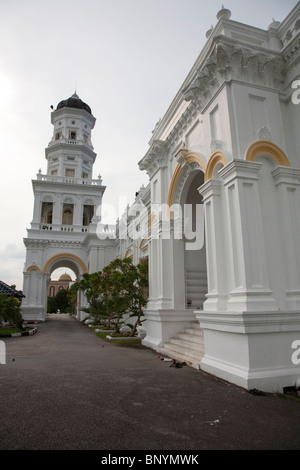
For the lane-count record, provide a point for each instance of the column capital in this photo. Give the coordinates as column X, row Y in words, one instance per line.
column 240, row 169
column 210, row 188
column 286, row 175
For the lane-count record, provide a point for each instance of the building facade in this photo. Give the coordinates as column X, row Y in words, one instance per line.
column 222, row 241
column 63, row 283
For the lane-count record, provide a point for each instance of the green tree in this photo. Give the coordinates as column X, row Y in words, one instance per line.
column 121, row 288
column 72, row 296
column 60, row 302
column 51, row 305
column 10, row 310
column 93, row 287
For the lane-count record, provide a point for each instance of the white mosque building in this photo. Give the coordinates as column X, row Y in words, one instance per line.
column 219, row 221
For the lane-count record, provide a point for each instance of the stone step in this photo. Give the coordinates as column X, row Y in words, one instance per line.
column 197, row 331
column 180, row 356
column 186, row 347
column 193, row 346
column 195, row 338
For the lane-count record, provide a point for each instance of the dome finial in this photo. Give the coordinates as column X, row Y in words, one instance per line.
column 224, row 13
column 274, row 25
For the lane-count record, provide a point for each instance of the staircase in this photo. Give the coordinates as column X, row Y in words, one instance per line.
column 196, row 288
column 187, row 347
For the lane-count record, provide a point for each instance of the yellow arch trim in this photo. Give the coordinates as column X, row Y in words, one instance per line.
column 174, row 181
column 195, row 157
column 65, row 255
column 152, row 219
column 144, row 244
column 190, row 158
column 129, row 253
column 32, row 268
column 215, row 159
column 264, row 146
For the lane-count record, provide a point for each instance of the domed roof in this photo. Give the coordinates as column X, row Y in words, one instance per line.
column 65, row 277
column 74, row 102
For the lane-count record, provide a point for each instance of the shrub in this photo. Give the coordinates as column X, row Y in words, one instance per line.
column 10, row 310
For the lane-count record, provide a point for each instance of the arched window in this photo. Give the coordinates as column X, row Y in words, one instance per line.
column 52, row 291
column 67, row 218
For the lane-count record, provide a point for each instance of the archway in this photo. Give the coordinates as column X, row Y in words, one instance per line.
column 74, row 265
column 190, row 259
column 195, row 270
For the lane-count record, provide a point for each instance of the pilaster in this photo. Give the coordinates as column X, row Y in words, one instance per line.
column 215, row 246
column 249, row 281
column 287, row 182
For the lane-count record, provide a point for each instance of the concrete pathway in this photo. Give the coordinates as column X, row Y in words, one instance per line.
column 64, row 388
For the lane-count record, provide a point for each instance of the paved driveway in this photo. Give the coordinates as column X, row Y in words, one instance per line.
column 64, row 388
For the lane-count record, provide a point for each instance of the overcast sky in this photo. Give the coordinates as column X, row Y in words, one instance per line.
column 125, row 58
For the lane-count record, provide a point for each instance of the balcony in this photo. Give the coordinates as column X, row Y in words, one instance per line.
column 69, row 141
column 69, row 180
column 62, row 228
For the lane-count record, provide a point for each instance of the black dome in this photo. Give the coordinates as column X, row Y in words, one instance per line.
column 74, row 102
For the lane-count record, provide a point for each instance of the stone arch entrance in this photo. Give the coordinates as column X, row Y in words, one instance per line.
column 190, row 265
column 36, row 280
column 70, row 261
column 195, row 271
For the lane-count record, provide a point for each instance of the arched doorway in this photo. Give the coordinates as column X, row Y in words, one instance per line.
column 195, row 272
column 187, row 209
column 73, row 264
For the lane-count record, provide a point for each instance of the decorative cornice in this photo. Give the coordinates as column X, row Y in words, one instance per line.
column 36, row 243
column 155, row 158
column 292, row 52
column 183, row 124
column 230, row 62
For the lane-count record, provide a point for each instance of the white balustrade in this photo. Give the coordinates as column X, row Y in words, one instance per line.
column 69, row 180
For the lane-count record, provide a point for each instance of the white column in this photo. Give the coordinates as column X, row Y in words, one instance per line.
column 215, row 247
column 36, row 220
column 161, row 267
column 287, row 182
column 57, row 212
column 77, row 214
column 250, row 284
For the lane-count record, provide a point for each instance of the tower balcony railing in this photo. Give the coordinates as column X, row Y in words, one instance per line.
column 69, row 180
column 69, row 141
column 62, row 227
column 104, row 231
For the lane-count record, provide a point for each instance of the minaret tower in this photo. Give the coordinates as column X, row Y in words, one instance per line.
column 67, row 208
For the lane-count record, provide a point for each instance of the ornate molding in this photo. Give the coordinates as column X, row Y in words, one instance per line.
column 183, row 124
column 155, row 158
column 36, row 243
column 182, row 179
column 229, row 62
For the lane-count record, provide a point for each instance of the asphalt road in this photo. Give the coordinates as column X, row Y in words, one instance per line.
column 65, row 389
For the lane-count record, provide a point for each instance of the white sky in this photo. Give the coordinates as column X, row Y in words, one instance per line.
column 126, row 58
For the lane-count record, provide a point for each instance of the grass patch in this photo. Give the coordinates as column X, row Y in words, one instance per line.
column 102, row 334
column 288, row 397
column 9, row 331
column 130, row 342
